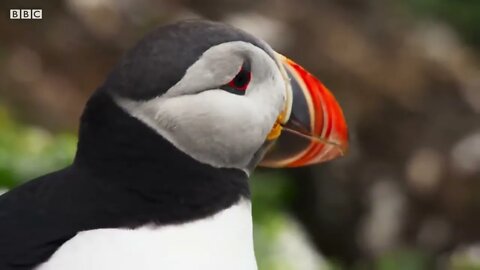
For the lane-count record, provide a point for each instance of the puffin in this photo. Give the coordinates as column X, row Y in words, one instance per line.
column 166, row 147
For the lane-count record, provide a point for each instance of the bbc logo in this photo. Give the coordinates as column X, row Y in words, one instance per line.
column 26, row 14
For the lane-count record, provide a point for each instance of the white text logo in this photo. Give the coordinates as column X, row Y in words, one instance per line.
column 26, row 14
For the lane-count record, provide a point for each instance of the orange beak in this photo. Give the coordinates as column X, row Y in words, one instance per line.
column 312, row 129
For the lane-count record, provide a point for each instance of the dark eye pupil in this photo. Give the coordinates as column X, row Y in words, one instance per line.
column 238, row 85
column 241, row 79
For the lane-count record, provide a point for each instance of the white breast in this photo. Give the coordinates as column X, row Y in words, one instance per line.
column 223, row 241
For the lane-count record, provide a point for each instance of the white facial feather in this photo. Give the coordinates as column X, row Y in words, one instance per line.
column 212, row 125
column 223, row 241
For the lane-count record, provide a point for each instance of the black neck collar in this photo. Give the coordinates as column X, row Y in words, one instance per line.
column 119, row 150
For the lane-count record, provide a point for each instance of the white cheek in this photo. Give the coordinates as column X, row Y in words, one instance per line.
column 216, row 127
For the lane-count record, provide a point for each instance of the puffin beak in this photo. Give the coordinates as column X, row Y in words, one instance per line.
column 312, row 128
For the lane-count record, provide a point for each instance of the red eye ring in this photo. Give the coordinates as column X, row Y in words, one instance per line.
column 241, row 80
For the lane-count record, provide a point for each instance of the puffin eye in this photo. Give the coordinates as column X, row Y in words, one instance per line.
column 240, row 82
column 238, row 85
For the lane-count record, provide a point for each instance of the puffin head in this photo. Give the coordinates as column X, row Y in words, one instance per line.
column 226, row 98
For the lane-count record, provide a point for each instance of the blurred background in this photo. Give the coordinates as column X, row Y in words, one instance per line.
column 407, row 74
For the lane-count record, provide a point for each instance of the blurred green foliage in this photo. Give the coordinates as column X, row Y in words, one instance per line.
column 463, row 15
column 27, row 152
column 465, row 261
column 270, row 193
column 271, row 190
column 403, row 259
